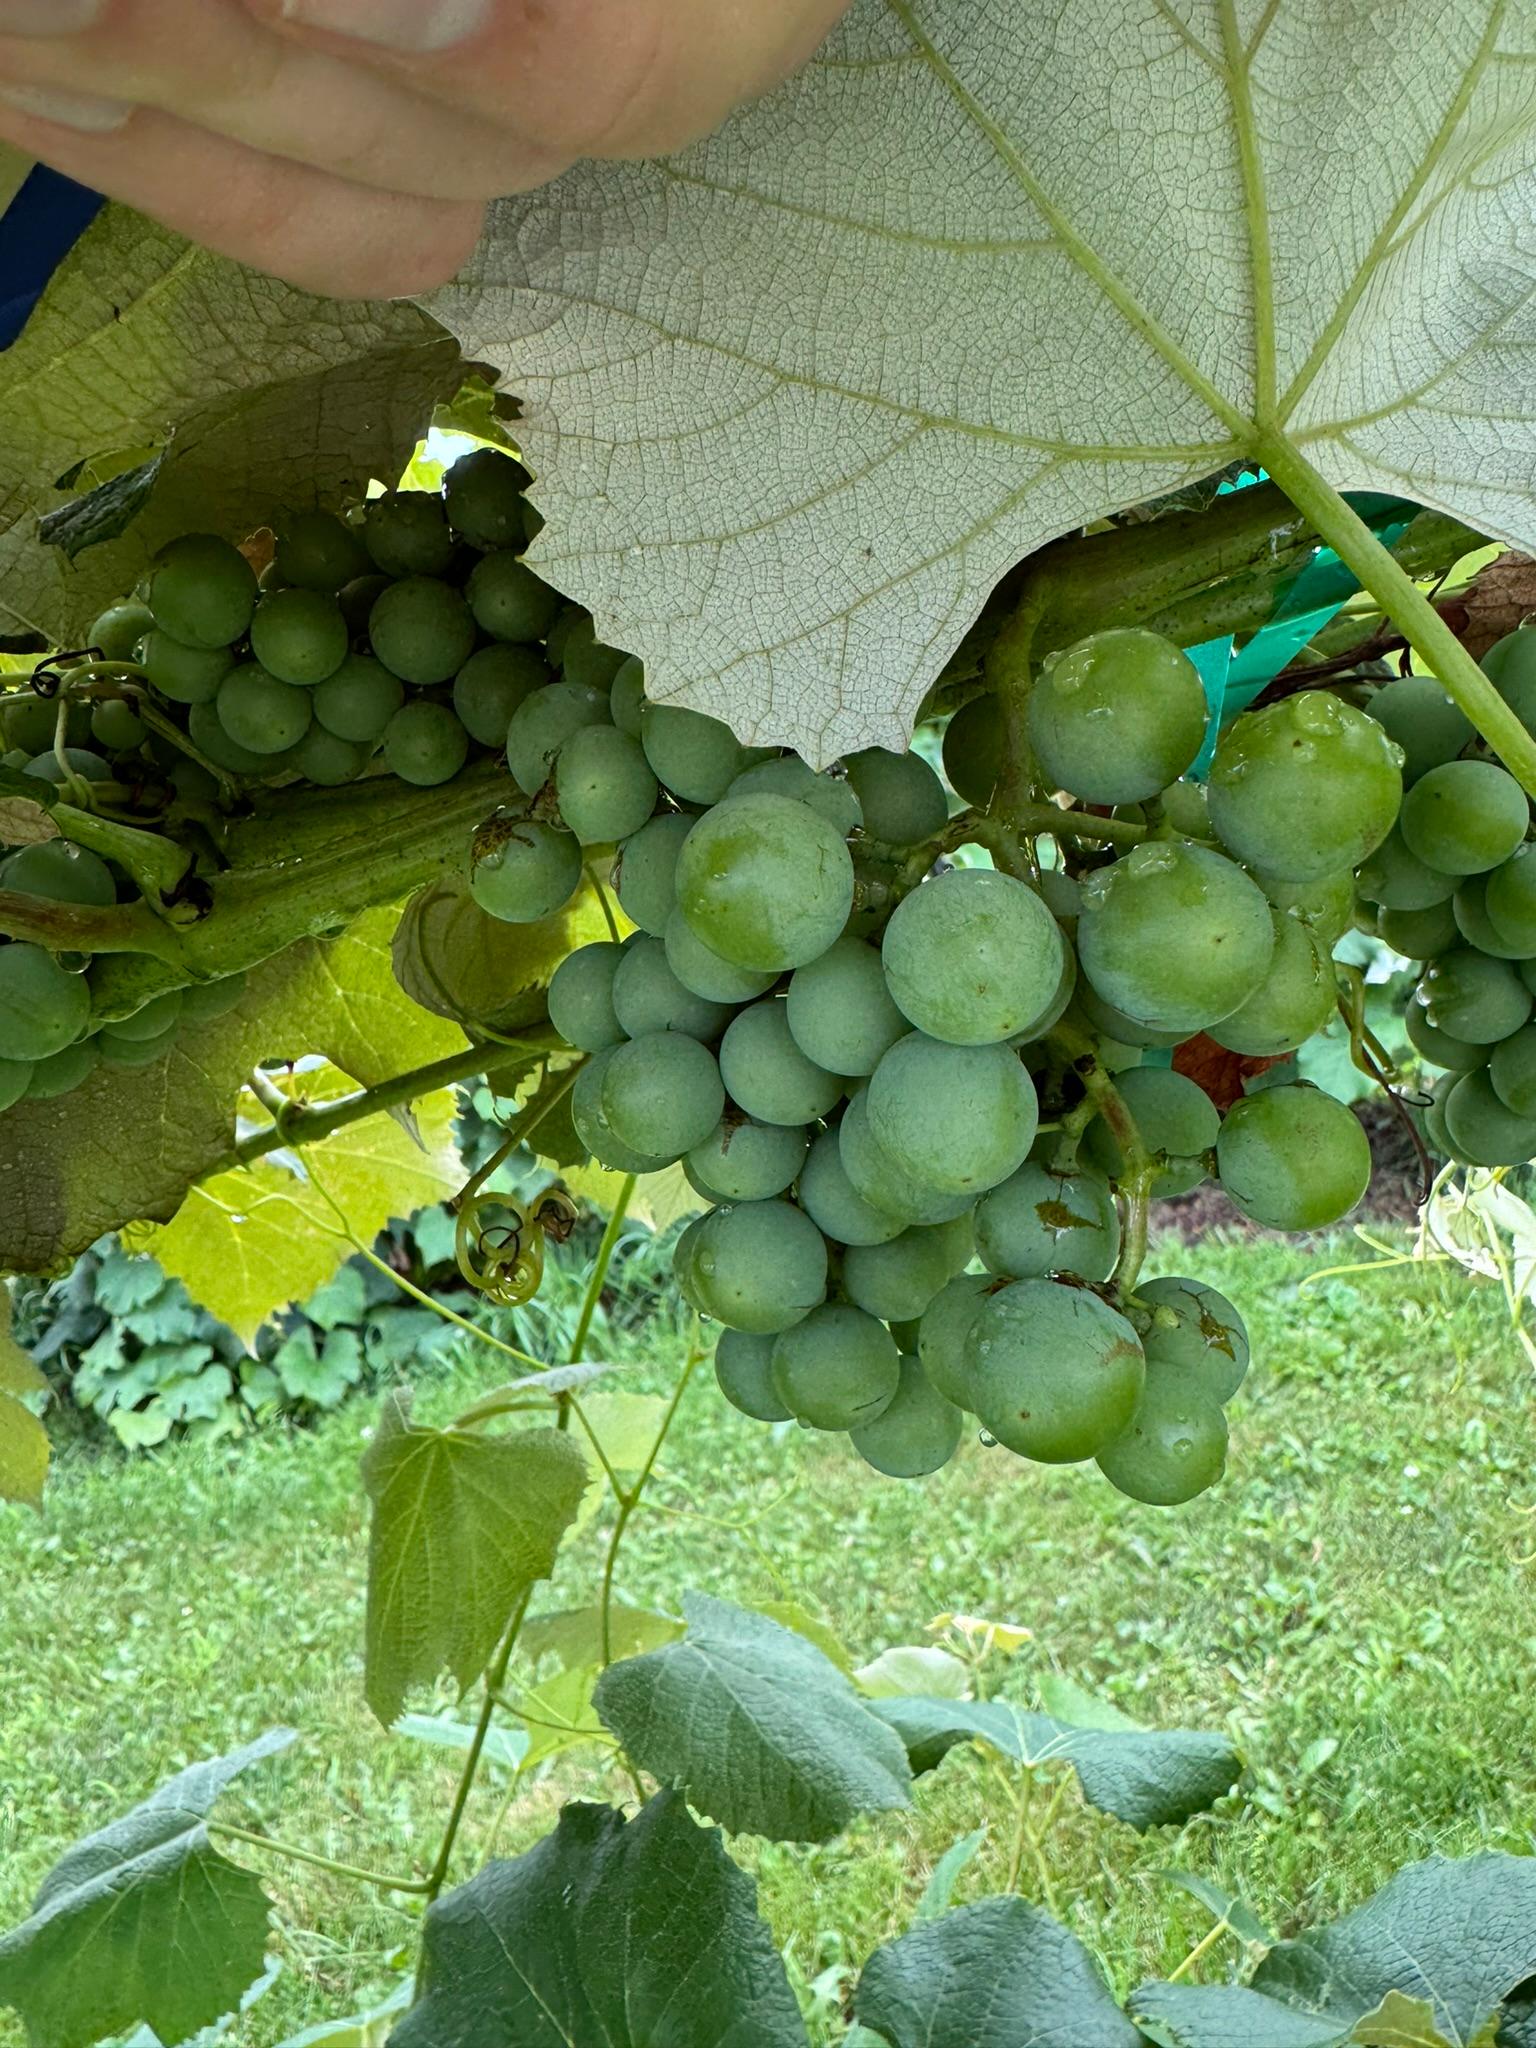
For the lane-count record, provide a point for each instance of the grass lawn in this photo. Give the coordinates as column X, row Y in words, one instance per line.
column 1357, row 1604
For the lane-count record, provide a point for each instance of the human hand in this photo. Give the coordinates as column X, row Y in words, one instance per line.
column 350, row 146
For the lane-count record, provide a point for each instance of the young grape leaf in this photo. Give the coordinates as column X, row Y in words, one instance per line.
column 939, row 1891
column 790, row 1614
column 611, row 1933
column 462, row 1527
column 1226, row 2016
column 990, row 277
column 144, row 1922
column 759, row 1729
column 505, row 1746
column 23, row 1439
column 914, row 1668
column 559, row 1714
column 992, row 1975
column 575, row 1634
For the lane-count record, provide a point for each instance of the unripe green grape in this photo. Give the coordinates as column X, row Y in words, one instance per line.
column 359, row 700
column 1483, row 1129
column 43, row 1007
column 693, row 755
column 160, row 1014
column 704, row 972
column 542, row 724
column 1062, row 896
column 897, row 1278
column 29, row 722
column 1304, row 787
column 509, row 602
column 788, row 775
column 62, row 1072
column 1510, row 665
column 317, row 551
column 60, row 872
column 837, row 1368
column 647, row 870
column 1104, row 1022
column 1187, row 811
column 603, row 785
column 744, row 1373
column 975, row 749
column 1469, row 907
column 357, row 600
column 1510, row 900
column 840, row 1010
column 82, row 762
column 1293, row 1158
column 425, row 744
column 328, row 762
column 765, row 882
column 901, row 798
column 1174, row 1447
column 1419, row 934
column 1442, row 1048
column 1174, row 936
column 421, row 629
column 491, row 685
column 1205, row 1343
column 958, row 1117
column 662, row 1093
column 743, row 1161
column 647, row 996
column 15, row 1078
column 593, row 1129
column 1429, row 727
column 116, row 726
column 187, row 675
column 522, row 870
column 406, row 534
column 1473, row 997
column 626, row 696
column 572, row 622
column 757, row 1266
column 1512, row 1072
column 483, row 498
column 1039, row 1221
column 1176, row 1121
column 942, row 1330
column 918, row 1432
column 130, row 1053
column 591, row 664
column 581, row 997
column 972, row 956
column 206, row 731
column 882, row 1181
column 1052, row 1372
column 1399, row 880
column 262, row 714
column 1328, row 906
column 1293, row 1002
column 834, row 1204
column 202, row 591
column 299, row 636
column 203, row 1001
column 1465, row 818
column 767, row 1074
column 117, row 631
column 1117, row 716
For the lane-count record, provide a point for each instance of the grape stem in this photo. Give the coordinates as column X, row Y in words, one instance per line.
column 81, row 928
column 1138, row 1168
column 629, row 1499
column 158, row 865
column 1009, row 674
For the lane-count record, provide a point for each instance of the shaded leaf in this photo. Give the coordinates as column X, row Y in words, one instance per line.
column 790, row 1614
column 504, row 1746
column 1226, row 2016
column 102, row 514
column 25, row 822
column 459, row 962
column 575, row 1634
column 559, row 1715
column 1065, row 1700
column 1222, row 1905
column 939, row 1891
column 1400, row 2022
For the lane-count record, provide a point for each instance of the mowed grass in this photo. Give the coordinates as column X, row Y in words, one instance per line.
column 1357, row 1604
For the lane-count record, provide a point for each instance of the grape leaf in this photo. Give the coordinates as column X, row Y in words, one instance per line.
column 975, row 278
column 458, row 962
column 574, row 1635
column 1226, row 2016
column 23, row 1439
column 144, row 1922
column 611, row 1933
column 462, row 1527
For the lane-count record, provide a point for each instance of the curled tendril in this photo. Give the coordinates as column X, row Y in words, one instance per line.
column 505, row 1260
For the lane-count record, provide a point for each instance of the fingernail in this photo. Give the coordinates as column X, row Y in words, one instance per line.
column 69, row 109
column 393, row 24
column 47, row 17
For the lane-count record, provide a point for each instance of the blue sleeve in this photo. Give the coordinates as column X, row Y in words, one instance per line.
column 42, row 224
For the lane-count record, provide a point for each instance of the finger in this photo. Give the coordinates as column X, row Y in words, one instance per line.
column 584, row 77
column 209, row 63
column 316, row 231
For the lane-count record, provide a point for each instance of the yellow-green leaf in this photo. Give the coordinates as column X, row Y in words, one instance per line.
column 659, row 1200
column 454, row 960
column 23, row 1439
column 1399, row 2022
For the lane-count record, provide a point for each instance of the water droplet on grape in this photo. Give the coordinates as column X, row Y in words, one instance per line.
column 987, row 1441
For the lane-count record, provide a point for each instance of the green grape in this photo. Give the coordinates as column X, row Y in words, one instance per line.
column 1429, row 727
column 1399, row 880
column 1512, row 1071
column 1295, row 1000
column 509, row 602
column 646, row 874
column 425, row 744
column 116, row 633
column 299, row 636
column 206, row 732
column 43, row 1007
column 1039, row 1221
column 604, row 788
column 1104, row 1022
column 897, row 1278
column 695, row 756
column 1062, row 897
column 767, row 1074
column 60, row 872
column 153, row 1019
column 900, row 797
column 1187, row 810
column 959, row 1117
column 1473, row 997
column 1470, row 909
column 1174, row 936
column 1419, row 934
column 973, row 956
column 662, row 1094
column 522, row 870
column 917, row 1432
column 647, row 997
column 328, row 762
column 317, row 551
column 483, row 497
column 1441, row 1048
column 422, row 631
column 757, row 1266
column 117, row 727
column 62, row 1072
column 593, row 1129
column 357, row 600
column 1509, row 899
column 1117, row 716
column 406, row 534
column 704, row 972
column 571, row 624
column 581, row 997
column 542, row 724
column 203, row 1001
column 187, row 675
column 262, row 714
column 942, row 1330
column 1176, row 1121
column 788, row 775
column 1197, row 1334
column 1174, row 1447
column 840, row 1010
column 1432, row 1117
column 28, row 722
column 1293, row 1158
column 202, row 591
column 269, row 580
column 688, row 1240
column 975, row 748
column 837, row 1368
column 1328, row 906
column 1053, row 1372
column 958, row 1236
column 834, row 1204
column 15, row 1078
column 742, row 1161
column 116, row 1051
column 359, row 700
column 491, row 685
column 626, row 696
column 765, row 882
column 885, row 1184
column 592, row 665
column 1508, row 664
column 1465, row 817
column 1482, row 1129
column 1304, row 787
column 81, row 761
column 744, row 1372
